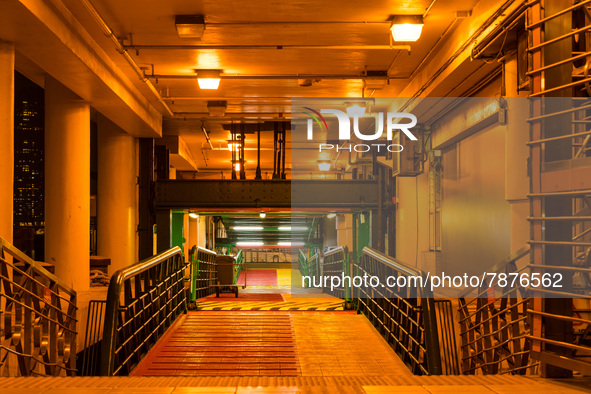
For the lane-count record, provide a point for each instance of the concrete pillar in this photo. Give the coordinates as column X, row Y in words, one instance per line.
column 7, row 139
column 67, row 184
column 116, row 199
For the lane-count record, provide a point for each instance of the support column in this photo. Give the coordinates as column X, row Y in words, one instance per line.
column 67, row 184
column 116, row 199
column 7, row 139
column 145, row 198
column 164, row 230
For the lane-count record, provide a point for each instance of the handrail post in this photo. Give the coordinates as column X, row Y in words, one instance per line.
column 431, row 336
column 347, row 271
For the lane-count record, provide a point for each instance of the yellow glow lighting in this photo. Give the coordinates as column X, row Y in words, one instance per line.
column 407, row 28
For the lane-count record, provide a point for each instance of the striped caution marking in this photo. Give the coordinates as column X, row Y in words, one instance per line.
column 336, row 305
column 268, row 287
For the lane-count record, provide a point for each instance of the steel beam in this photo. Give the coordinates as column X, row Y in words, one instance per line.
column 341, row 194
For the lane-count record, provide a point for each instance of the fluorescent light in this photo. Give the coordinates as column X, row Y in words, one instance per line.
column 406, row 27
column 247, row 228
column 289, row 228
column 331, row 215
column 194, row 216
column 250, row 243
column 290, row 244
column 208, row 79
column 323, row 165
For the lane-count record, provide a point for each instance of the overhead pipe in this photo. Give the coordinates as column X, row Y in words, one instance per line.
column 504, row 27
column 138, row 47
column 206, row 134
column 264, row 23
column 121, row 49
column 228, row 98
column 480, row 30
column 277, row 76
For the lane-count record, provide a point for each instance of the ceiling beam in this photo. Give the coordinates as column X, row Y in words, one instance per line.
column 325, row 194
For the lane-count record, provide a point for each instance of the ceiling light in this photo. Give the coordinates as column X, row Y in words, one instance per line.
column 189, row 26
column 194, row 216
column 289, row 228
column 233, row 145
column 406, row 27
column 356, row 109
column 250, row 243
column 331, row 215
column 208, row 79
column 217, row 108
column 290, row 244
column 247, row 228
column 323, row 165
column 262, row 215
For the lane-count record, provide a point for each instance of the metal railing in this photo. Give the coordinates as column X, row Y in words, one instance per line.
column 336, row 264
column 142, row 302
column 494, row 329
column 447, row 337
column 313, row 265
column 302, row 263
column 405, row 316
column 37, row 318
column 91, row 360
column 309, row 267
column 578, row 356
column 203, row 273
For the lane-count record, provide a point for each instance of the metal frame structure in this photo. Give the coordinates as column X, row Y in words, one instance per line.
column 559, row 56
column 37, row 318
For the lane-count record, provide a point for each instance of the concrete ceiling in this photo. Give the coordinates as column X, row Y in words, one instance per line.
column 141, row 24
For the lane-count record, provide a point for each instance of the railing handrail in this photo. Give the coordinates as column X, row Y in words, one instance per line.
column 314, row 257
column 114, row 298
column 14, row 252
column 426, row 308
column 207, row 251
column 336, row 250
column 394, row 263
column 302, row 254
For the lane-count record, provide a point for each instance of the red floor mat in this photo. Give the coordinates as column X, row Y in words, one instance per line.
column 243, row 297
column 258, row 277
